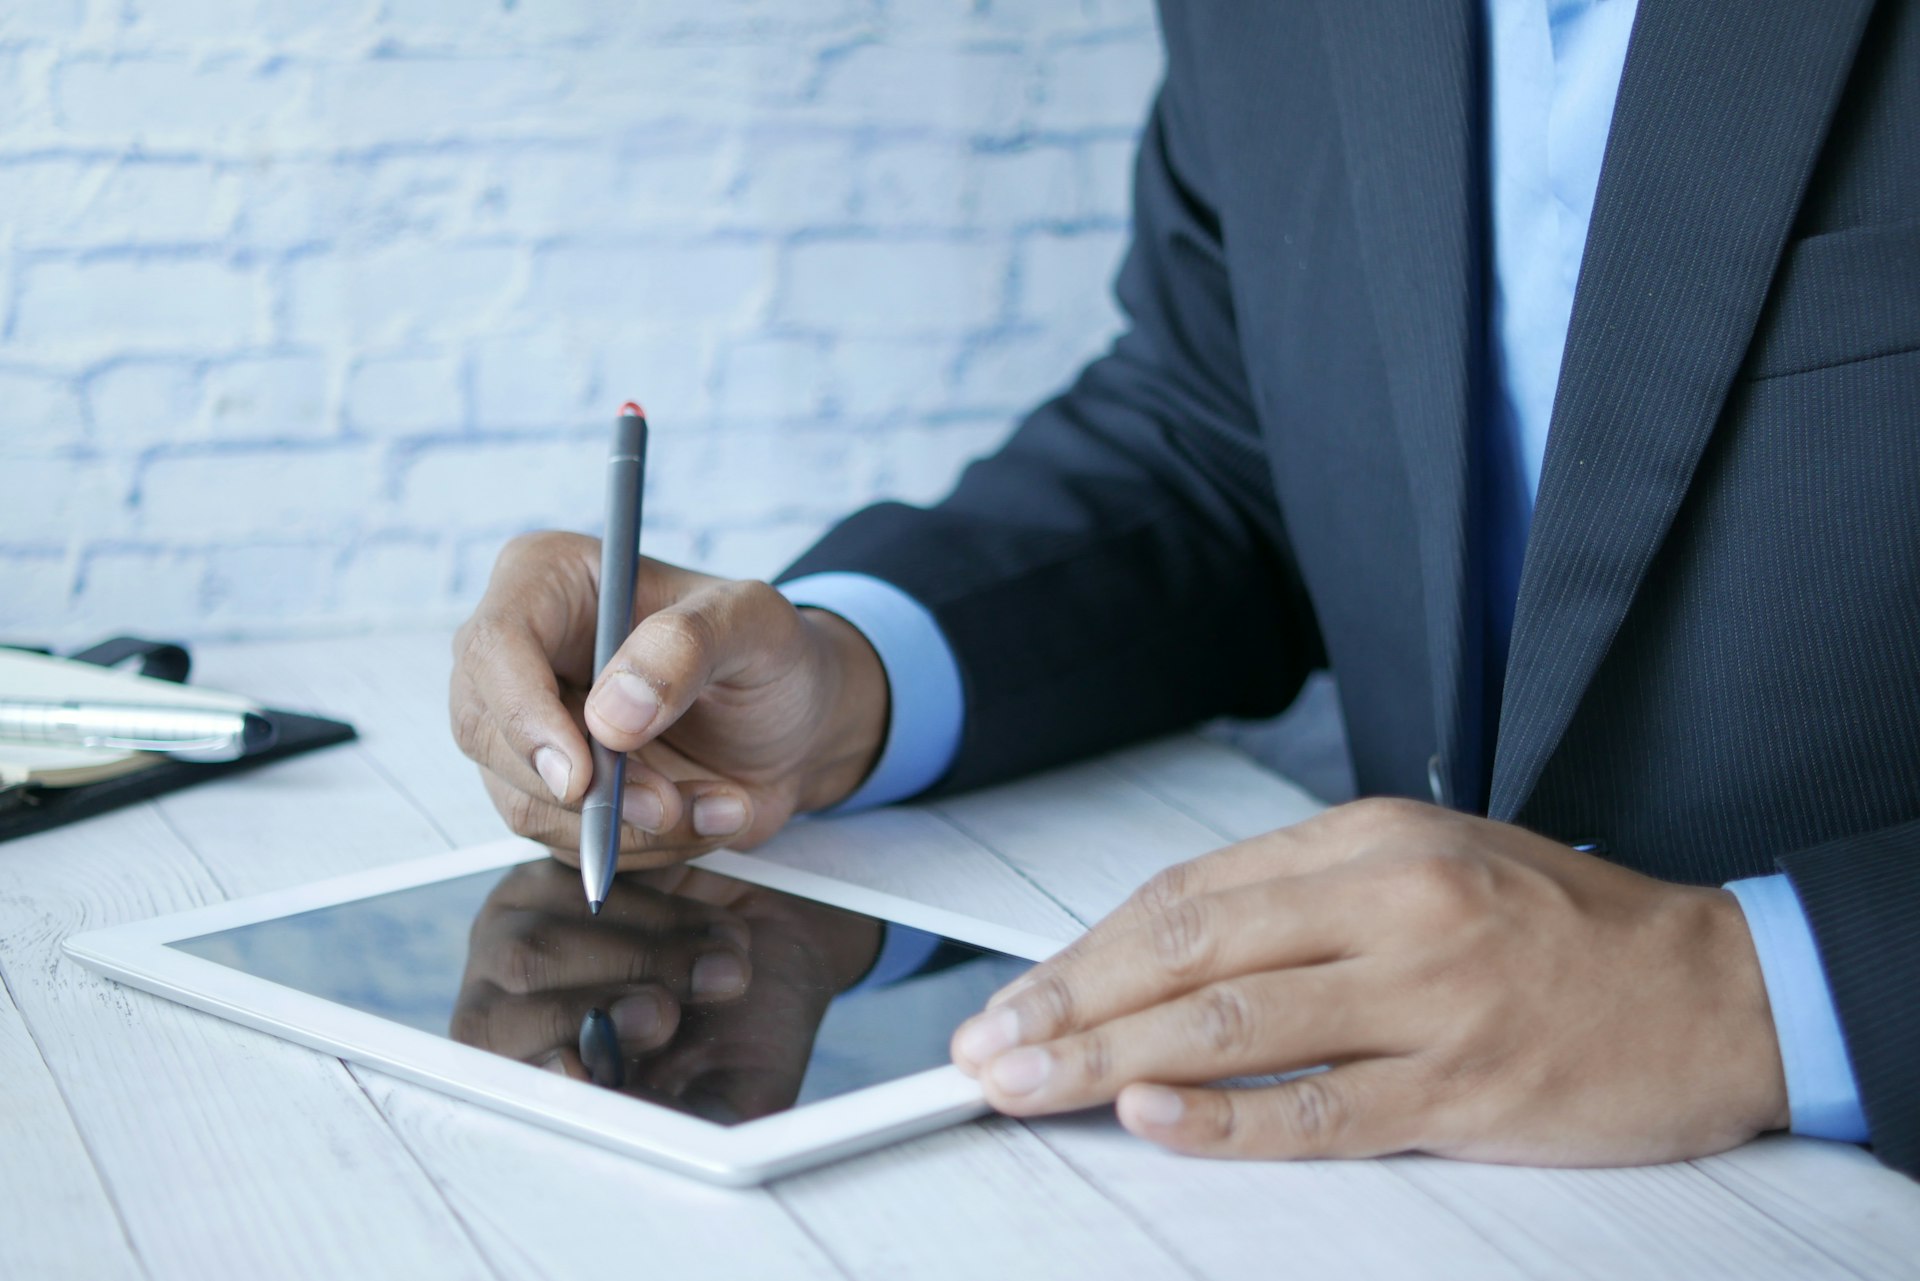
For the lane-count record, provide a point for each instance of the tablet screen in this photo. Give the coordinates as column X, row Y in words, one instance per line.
column 706, row 993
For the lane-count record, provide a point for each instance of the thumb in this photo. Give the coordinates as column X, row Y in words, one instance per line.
column 718, row 633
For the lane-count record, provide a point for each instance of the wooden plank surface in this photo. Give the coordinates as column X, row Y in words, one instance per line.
column 394, row 690
column 1059, row 830
column 541, row 1205
column 1215, row 786
column 226, row 1151
column 55, row 1218
column 1653, row 1221
column 1834, row 1195
column 983, row 1200
column 141, row 1138
column 912, row 853
column 1244, row 1220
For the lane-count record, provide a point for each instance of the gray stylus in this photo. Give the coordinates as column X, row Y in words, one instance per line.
column 619, row 564
column 600, row 1050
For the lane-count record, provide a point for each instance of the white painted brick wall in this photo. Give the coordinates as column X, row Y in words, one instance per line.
column 307, row 306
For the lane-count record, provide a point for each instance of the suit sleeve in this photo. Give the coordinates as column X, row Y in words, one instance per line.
column 1118, row 569
column 1862, row 899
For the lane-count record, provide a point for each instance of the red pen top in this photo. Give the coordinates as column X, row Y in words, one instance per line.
column 632, row 410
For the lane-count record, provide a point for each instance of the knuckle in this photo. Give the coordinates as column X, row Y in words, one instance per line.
column 645, row 849
column 476, row 641
column 524, row 962
column 1165, row 888
column 1216, row 1120
column 1182, row 941
column 515, row 723
column 534, row 546
column 469, row 727
column 644, row 965
column 757, row 597
column 1386, row 813
column 681, row 630
column 1095, row 1053
column 559, row 1026
column 1445, row 886
column 775, row 621
column 521, row 545
column 1313, row 1114
column 1225, row 1019
column 526, row 814
column 462, row 638
column 1052, row 1000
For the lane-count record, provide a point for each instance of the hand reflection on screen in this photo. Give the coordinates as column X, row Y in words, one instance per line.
column 714, row 988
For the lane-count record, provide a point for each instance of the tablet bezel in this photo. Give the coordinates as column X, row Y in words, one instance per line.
column 138, row 953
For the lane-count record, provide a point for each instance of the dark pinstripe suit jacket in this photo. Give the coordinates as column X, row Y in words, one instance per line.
column 1716, row 659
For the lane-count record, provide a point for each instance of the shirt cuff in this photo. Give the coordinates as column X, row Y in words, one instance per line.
column 1821, row 1092
column 923, row 682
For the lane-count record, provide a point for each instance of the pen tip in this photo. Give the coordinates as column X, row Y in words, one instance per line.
column 593, row 904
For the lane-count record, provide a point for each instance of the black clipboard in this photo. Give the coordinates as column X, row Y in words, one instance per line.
column 36, row 809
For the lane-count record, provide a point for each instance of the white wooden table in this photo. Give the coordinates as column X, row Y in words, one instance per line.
column 141, row 1138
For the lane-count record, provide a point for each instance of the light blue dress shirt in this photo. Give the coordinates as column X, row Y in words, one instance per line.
column 1555, row 68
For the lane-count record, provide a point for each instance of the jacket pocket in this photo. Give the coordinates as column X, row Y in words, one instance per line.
column 1840, row 297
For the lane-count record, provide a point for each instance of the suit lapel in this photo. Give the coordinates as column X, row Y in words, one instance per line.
column 1721, row 113
column 1405, row 79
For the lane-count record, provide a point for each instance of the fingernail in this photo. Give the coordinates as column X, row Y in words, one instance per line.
column 554, row 770
column 637, row 1018
column 719, row 815
column 626, row 702
column 719, row 974
column 643, row 808
column 988, row 1034
column 1021, row 1071
column 1155, row 1105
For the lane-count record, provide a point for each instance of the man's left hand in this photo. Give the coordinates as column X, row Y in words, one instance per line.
column 1477, row 991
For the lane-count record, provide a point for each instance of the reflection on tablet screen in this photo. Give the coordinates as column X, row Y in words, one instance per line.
column 699, row 991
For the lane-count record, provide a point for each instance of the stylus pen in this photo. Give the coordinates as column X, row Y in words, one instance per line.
column 600, row 1050
column 619, row 563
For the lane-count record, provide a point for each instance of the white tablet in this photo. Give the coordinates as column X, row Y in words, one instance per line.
column 719, row 1018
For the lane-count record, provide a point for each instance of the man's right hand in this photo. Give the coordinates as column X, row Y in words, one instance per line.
column 736, row 709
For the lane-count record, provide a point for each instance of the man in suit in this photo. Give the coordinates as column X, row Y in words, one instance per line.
column 1552, row 373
